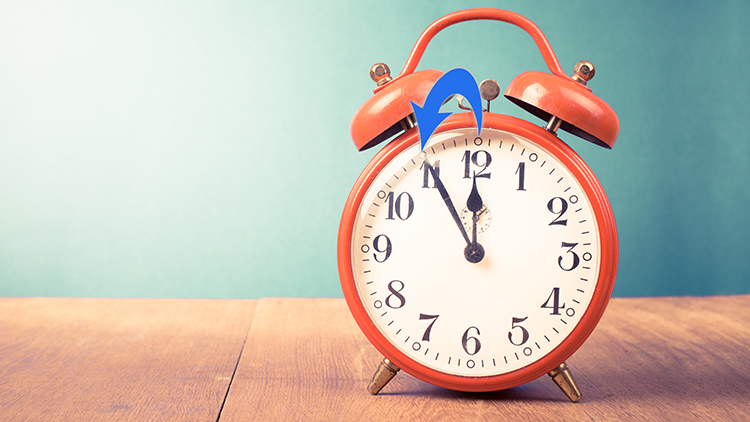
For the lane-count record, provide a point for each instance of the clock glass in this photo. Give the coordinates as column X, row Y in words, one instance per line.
column 476, row 256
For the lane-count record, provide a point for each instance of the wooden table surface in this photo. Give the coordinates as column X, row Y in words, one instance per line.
column 650, row 359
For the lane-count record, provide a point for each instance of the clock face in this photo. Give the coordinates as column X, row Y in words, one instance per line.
column 477, row 256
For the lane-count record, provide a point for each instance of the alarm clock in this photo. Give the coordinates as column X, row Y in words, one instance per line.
column 486, row 258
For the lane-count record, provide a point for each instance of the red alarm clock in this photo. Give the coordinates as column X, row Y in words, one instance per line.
column 486, row 259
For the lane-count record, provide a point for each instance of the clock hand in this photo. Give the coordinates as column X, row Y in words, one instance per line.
column 474, row 252
column 474, row 204
column 447, row 199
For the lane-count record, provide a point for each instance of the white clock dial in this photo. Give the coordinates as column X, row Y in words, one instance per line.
column 422, row 278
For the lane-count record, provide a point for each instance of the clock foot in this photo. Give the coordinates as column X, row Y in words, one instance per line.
column 386, row 371
column 564, row 379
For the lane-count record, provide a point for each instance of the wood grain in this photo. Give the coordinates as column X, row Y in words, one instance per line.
column 118, row 359
column 650, row 359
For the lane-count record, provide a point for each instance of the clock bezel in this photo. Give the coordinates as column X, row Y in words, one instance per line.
column 600, row 298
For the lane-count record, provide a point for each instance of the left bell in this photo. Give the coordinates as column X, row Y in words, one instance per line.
column 389, row 111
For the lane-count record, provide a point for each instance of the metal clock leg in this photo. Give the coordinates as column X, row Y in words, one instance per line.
column 564, row 379
column 386, row 371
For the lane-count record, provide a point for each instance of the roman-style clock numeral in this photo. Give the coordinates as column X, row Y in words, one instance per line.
column 554, row 297
column 563, row 207
column 576, row 260
column 521, row 172
column 524, row 333
column 382, row 244
column 470, row 343
column 397, row 206
column 426, row 176
column 480, row 159
column 395, row 300
column 428, row 330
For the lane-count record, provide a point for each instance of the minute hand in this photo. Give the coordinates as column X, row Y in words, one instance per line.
column 448, row 203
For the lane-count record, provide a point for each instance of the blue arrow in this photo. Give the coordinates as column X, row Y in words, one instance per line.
column 456, row 81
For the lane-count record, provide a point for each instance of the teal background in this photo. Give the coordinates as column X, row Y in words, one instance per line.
column 201, row 148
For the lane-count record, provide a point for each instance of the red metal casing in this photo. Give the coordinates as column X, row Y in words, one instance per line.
column 544, row 95
column 605, row 283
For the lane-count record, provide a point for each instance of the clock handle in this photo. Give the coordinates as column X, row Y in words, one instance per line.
column 482, row 14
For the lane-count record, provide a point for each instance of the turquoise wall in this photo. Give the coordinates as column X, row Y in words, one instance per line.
column 201, row 149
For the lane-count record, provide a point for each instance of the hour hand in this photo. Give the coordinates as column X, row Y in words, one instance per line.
column 474, row 252
column 474, row 204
